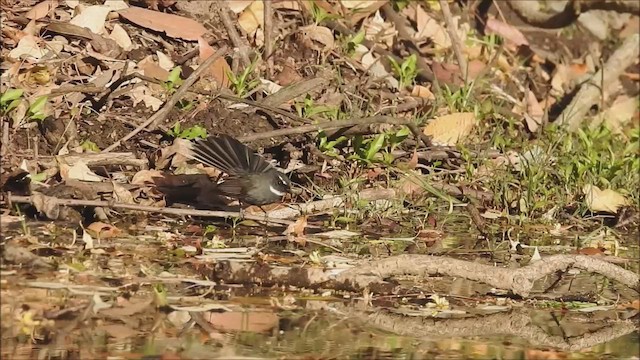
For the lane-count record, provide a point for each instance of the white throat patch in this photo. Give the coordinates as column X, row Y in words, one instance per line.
column 275, row 191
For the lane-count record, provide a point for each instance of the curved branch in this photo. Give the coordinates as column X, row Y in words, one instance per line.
column 529, row 11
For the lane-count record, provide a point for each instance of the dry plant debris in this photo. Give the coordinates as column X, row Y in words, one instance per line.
column 430, row 143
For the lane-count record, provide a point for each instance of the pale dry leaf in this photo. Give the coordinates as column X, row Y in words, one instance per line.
column 379, row 31
column 122, row 195
column 534, row 115
column 164, row 61
column 508, row 32
column 603, row 200
column 270, row 87
column 27, row 48
column 238, row 6
column 87, row 239
column 358, row 4
column 120, row 36
column 429, row 28
column 79, row 171
column 173, row 25
column 252, row 18
column 361, row 9
column 219, row 69
column 94, row 17
column 317, row 37
column 47, row 205
column 145, row 177
column 536, row 255
column 620, row 113
column 143, row 94
column 103, row 230
column 450, row 129
column 377, row 70
column 42, row 9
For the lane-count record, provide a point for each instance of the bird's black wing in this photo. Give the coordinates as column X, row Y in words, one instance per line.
column 228, row 155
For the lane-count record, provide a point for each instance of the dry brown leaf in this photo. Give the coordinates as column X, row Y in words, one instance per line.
column 238, row 6
column 122, row 195
column 422, row 92
column 429, row 28
column 603, row 200
column 450, row 129
column 410, row 185
column 361, row 9
column 591, row 251
column 46, row 205
column 287, row 5
column 42, row 9
column 173, row 25
column 508, row 32
column 316, row 37
column 151, row 69
column 252, row 321
column 297, row 228
column 103, row 230
column 145, row 177
column 118, row 331
column 219, row 69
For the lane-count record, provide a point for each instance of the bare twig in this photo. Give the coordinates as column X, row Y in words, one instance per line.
column 530, row 12
column 268, row 36
column 168, row 106
column 424, row 68
column 592, row 91
column 166, row 210
column 238, row 43
column 455, row 40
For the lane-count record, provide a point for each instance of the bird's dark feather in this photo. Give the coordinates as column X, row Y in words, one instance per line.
column 228, row 155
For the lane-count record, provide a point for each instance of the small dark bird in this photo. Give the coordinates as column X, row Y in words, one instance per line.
column 251, row 179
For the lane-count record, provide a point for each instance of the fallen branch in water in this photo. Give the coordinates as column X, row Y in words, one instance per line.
column 372, row 274
column 56, row 202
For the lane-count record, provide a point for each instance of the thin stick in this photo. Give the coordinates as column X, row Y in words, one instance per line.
column 168, row 106
column 268, row 36
column 243, row 50
column 337, row 125
column 455, row 40
column 166, row 210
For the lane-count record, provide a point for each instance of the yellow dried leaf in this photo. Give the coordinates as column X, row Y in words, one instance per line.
column 450, row 129
column 603, row 200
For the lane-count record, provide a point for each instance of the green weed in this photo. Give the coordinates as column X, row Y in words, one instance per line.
column 10, row 99
column 242, row 83
column 191, row 133
column 407, row 71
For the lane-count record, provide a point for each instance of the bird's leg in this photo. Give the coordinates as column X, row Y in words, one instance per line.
column 266, row 220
